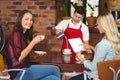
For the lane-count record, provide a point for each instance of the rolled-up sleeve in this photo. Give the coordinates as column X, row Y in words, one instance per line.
column 62, row 25
column 85, row 32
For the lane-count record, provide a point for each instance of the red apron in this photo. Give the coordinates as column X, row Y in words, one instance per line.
column 71, row 33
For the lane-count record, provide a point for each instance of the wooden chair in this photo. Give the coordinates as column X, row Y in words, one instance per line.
column 109, row 70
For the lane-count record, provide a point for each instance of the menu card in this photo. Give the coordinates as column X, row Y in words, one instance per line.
column 76, row 44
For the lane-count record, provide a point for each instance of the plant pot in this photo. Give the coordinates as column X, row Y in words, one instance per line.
column 91, row 21
column 66, row 17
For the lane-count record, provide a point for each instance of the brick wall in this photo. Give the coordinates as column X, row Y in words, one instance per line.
column 45, row 16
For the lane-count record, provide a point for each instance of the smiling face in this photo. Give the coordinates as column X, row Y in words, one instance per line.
column 27, row 21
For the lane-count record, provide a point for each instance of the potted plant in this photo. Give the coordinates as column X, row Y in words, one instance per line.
column 91, row 20
column 76, row 3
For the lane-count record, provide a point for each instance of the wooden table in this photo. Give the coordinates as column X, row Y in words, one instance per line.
column 56, row 58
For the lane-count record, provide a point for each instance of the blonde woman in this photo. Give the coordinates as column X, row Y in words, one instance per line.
column 108, row 48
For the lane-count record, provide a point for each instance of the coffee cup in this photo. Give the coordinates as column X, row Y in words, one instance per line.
column 66, row 51
column 42, row 37
column 66, row 58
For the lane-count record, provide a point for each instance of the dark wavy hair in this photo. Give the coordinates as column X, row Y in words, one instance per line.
column 80, row 9
column 28, row 35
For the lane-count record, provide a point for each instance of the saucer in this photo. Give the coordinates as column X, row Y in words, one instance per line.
column 65, row 53
column 40, row 52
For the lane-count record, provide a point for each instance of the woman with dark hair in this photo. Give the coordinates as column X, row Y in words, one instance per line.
column 20, row 44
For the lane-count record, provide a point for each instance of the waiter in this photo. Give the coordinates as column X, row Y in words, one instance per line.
column 73, row 28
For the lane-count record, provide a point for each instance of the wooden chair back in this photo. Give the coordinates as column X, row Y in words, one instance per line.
column 105, row 73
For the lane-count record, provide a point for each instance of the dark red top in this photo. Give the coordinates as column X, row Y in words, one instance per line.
column 16, row 44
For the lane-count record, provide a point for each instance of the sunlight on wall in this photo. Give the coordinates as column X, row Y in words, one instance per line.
column 93, row 3
column 72, row 10
column 79, row 3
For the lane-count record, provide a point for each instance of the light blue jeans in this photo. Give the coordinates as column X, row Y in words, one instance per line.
column 40, row 72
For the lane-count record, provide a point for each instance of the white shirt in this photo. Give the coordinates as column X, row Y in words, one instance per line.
column 64, row 23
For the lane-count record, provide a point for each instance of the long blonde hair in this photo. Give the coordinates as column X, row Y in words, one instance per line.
column 111, row 32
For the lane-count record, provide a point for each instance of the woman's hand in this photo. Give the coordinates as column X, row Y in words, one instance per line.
column 79, row 56
column 89, row 51
column 88, row 48
column 37, row 39
column 27, row 50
